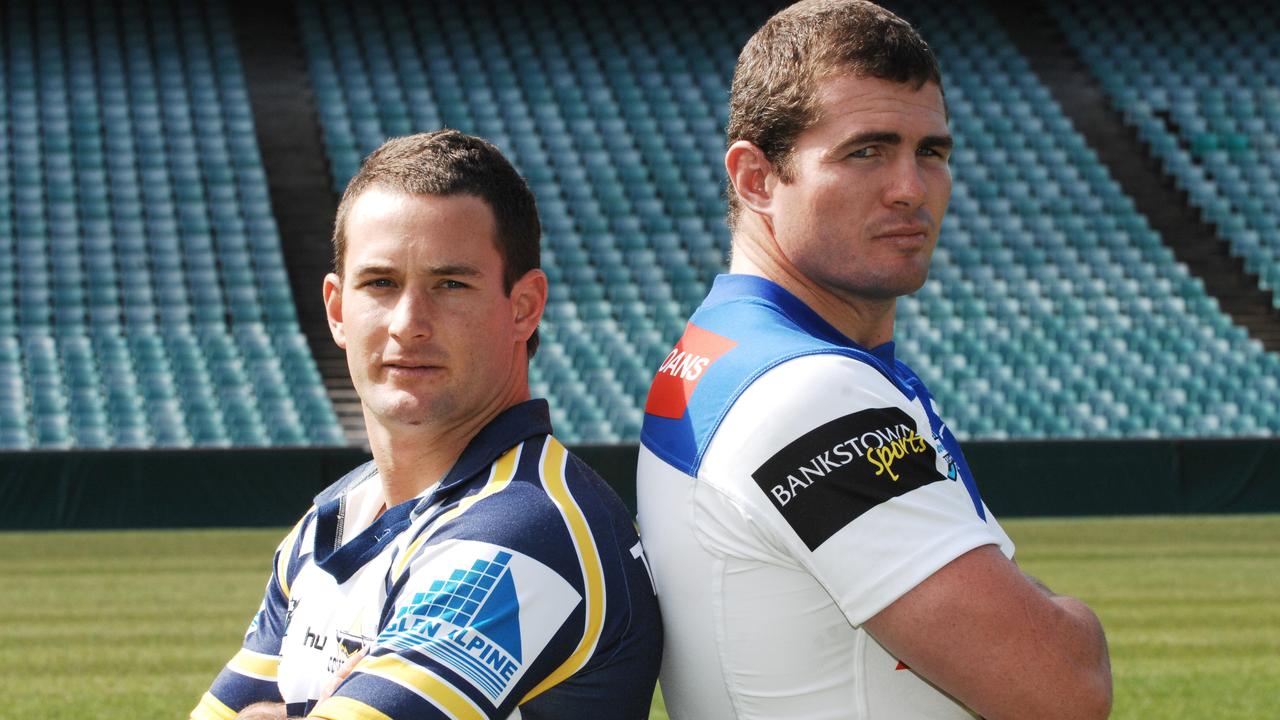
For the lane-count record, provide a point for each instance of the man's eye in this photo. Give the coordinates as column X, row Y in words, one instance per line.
column 865, row 152
column 380, row 283
column 452, row 284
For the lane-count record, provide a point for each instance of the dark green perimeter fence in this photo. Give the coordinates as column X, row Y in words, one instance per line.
column 238, row 488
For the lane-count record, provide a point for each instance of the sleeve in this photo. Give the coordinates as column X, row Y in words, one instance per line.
column 839, row 473
column 481, row 614
column 250, row 675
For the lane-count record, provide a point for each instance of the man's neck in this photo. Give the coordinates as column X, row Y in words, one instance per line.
column 868, row 322
column 413, row 458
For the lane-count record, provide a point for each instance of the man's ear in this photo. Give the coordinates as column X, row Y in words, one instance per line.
column 333, row 308
column 751, row 176
column 528, row 301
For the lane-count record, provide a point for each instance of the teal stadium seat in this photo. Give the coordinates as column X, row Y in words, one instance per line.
column 130, row 127
column 1200, row 89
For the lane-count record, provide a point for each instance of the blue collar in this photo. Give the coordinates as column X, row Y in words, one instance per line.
column 730, row 287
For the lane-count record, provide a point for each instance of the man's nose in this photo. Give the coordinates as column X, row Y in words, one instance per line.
column 411, row 316
column 907, row 187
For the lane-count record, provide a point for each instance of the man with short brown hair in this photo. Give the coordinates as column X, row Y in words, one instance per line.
column 819, row 544
column 482, row 570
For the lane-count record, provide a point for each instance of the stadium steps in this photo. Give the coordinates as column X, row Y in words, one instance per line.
column 299, row 179
column 1194, row 242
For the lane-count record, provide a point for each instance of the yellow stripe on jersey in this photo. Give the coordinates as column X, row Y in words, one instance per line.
column 255, row 665
column 424, row 683
column 211, row 708
column 345, row 708
column 553, row 479
column 285, row 553
column 500, row 475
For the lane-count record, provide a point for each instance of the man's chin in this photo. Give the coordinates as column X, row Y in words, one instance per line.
column 893, row 288
column 909, row 280
column 403, row 409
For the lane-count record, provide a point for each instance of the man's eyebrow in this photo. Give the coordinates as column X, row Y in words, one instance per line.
column 384, row 269
column 460, row 269
column 884, row 137
column 871, row 137
column 373, row 269
column 938, row 142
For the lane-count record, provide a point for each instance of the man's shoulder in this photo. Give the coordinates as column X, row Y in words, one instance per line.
column 725, row 353
column 554, row 523
column 542, row 501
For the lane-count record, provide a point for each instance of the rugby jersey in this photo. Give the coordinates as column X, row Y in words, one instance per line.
column 791, row 485
column 514, row 588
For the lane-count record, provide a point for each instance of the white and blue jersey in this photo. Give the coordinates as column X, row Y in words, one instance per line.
column 791, row 485
column 514, row 588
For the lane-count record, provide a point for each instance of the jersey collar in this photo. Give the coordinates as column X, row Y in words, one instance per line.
column 729, row 287
column 510, row 428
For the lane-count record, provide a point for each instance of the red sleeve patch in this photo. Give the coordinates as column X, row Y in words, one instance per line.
column 682, row 369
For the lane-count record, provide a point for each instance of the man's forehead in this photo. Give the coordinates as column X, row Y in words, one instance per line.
column 387, row 222
column 848, row 95
column 382, row 201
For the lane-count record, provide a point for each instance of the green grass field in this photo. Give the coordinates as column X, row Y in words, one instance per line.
column 128, row 625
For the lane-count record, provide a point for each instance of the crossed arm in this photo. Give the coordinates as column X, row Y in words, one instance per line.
column 263, row 711
column 277, row 711
column 999, row 641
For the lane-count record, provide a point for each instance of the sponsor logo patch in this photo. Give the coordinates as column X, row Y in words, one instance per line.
column 480, row 619
column 833, row 474
column 682, row 369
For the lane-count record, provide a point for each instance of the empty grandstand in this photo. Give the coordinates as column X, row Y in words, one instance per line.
column 1198, row 82
column 146, row 303
column 1055, row 310
column 147, row 299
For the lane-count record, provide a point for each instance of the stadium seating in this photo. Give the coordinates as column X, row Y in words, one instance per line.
column 145, row 302
column 619, row 136
column 1198, row 81
column 1053, row 311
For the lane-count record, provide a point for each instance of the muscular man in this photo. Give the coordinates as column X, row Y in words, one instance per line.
column 487, row 572
column 819, row 544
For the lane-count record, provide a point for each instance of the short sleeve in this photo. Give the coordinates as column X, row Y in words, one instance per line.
column 838, row 471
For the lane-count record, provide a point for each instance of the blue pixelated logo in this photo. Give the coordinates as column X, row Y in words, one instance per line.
column 470, row 621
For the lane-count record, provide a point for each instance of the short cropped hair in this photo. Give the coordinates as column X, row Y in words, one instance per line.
column 775, row 84
column 444, row 163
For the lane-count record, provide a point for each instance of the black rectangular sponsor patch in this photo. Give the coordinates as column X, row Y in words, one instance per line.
column 830, row 476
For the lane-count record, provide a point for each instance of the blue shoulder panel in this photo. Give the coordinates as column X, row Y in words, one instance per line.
column 761, row 325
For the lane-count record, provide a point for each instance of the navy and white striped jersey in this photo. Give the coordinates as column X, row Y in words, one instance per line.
column 514, row 588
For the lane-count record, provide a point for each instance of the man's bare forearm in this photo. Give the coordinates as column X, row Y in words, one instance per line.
column 1084, row 616
column 1088, row 645
column 263, row 711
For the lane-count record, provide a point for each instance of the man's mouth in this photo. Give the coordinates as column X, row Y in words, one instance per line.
column 411, row 367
